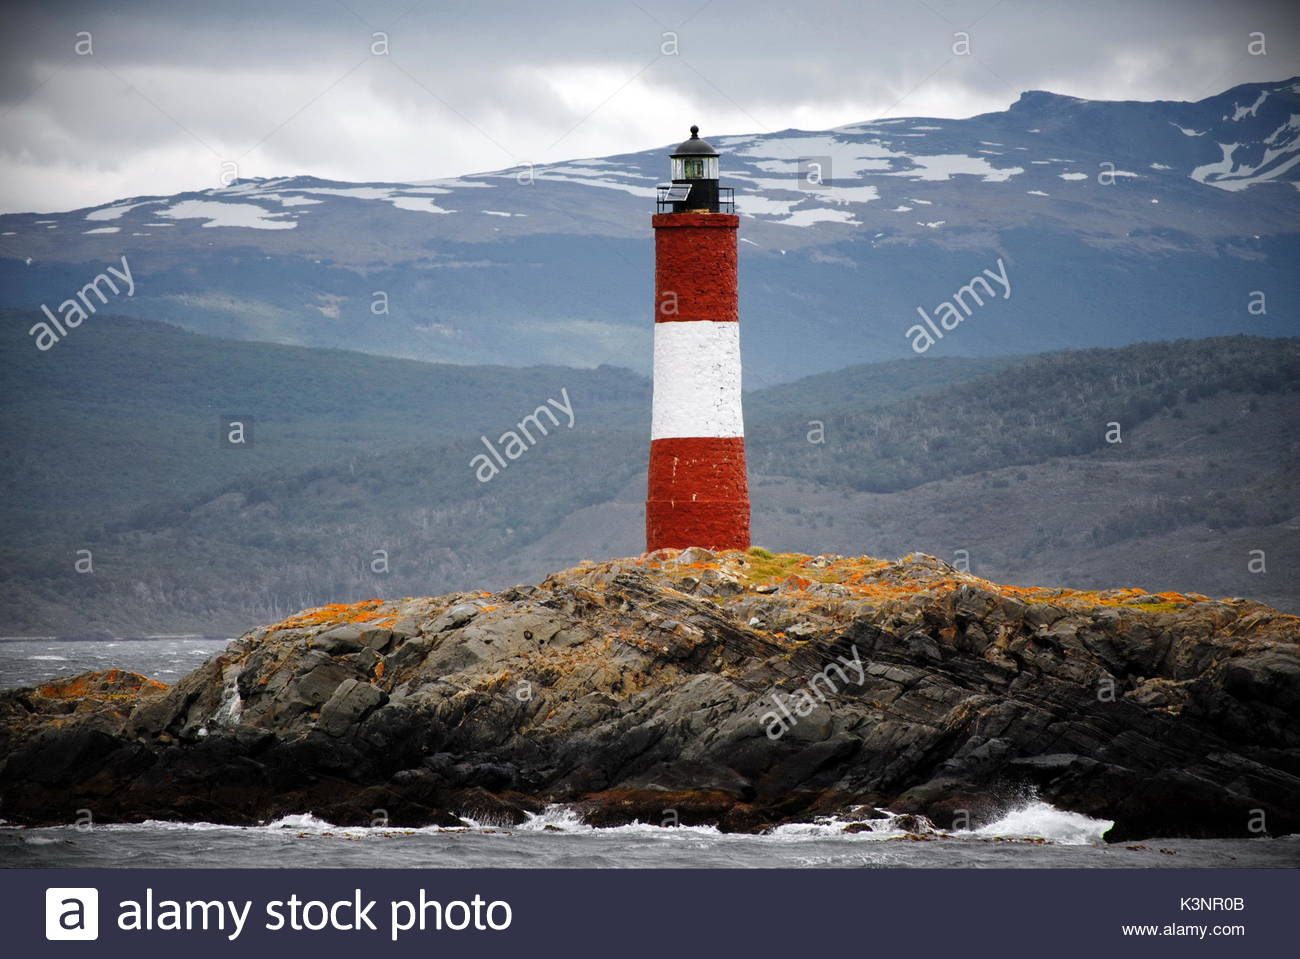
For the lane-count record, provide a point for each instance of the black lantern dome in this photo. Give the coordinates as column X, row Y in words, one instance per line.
column 695, row 179
column 695, row 146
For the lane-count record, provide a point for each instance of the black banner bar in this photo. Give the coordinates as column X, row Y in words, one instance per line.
column 632, row 913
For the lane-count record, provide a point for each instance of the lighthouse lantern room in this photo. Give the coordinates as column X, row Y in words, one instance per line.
column 695, row 180
column 698, row 491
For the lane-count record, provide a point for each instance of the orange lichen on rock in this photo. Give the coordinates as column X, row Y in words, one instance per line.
column 106, row 685
column 879, row 582
column 362, row 612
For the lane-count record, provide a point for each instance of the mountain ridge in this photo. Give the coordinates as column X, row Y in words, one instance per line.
column 1118, row 221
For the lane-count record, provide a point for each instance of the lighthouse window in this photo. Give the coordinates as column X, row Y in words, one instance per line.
column 694, row 168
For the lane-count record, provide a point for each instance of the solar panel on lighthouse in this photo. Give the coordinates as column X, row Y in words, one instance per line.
column 677, row 193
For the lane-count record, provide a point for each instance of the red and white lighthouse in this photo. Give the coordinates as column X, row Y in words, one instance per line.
column 698, row 491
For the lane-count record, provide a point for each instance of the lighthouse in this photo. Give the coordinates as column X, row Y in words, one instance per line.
column 698, row 492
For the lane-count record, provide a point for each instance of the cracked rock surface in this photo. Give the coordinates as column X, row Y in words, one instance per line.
column 741, row 689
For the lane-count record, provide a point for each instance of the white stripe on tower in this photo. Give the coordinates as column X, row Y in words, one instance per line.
column 697, row 380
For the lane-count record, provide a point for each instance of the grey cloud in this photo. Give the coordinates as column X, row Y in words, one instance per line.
column 463, row 87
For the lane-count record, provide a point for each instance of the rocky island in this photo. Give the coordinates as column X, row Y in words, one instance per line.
column 742, row 689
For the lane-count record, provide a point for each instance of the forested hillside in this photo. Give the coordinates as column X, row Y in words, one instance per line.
column 360, row 482
column 124, row 414
column 1061, row 404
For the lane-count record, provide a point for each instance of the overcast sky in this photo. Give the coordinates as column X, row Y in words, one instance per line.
column 172, row 90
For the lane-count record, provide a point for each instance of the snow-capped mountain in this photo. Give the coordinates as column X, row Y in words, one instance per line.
column 1113, row 222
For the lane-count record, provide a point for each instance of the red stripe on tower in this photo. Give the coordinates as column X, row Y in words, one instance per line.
column 698, row 493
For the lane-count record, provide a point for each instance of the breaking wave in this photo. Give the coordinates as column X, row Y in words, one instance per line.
column 1034, row 819
column 1039, row 820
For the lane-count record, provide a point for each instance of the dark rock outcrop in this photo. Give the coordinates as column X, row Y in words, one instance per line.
column 739, row 689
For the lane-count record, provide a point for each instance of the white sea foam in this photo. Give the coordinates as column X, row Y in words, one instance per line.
column 561, row 817
column 304, row 822
column 833, row 828
column 1033, row 820
column 296, row 824
column 566, row 819
column 1039, row 820
column 163, row 825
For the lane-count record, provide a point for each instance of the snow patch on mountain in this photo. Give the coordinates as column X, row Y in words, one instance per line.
column 244, row 187
column 288, row 200
column 113, row 212
column 1240, row 113
column 224, row 213
column 612, row 178
column 1286, row 133
column 782, row 154
column 1227, row 174
column 458, row 183
column 857, row 157
column 418, row 204
column 818, row 215
column 419, row 199
column 754, row 204
column 356, row 192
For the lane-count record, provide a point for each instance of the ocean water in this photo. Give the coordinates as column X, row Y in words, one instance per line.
column 1033, row 835
column 24, row 662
